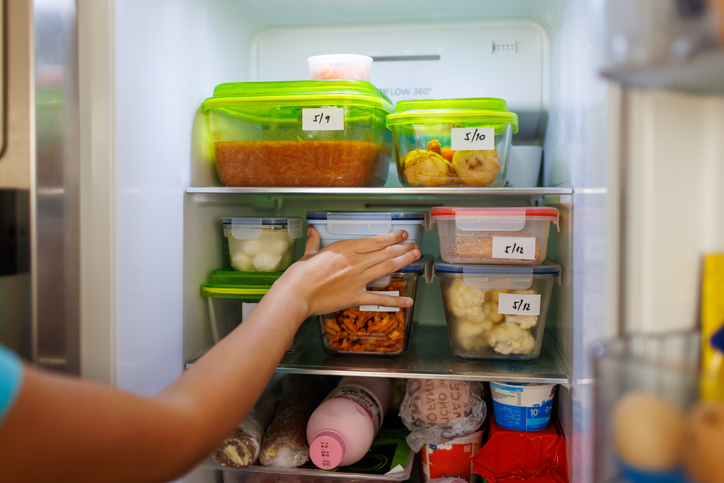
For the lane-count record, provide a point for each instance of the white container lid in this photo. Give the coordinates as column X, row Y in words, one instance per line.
column 250, row 228
column 340, row 223
column 493, row 219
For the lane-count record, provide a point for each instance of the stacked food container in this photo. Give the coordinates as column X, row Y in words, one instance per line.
column 372, row 330
column 495, row 282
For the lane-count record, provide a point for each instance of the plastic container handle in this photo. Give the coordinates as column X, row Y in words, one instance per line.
column 245, row 228
column 490, row 281
column 294, row 225
column 351, row 224
column 476, row 219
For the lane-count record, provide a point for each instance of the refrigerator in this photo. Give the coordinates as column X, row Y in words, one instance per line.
column 123, row 206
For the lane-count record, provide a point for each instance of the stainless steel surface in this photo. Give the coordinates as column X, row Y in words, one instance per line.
column 55, row 188
column 387, row 191
column 428, row 356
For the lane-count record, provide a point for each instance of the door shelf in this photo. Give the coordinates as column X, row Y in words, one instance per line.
column 428, row 356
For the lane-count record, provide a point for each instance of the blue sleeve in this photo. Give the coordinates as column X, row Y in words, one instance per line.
column 11, row 378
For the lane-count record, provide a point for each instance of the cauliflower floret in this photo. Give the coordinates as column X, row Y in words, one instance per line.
column 524, row 321
column 491, row 309
column 252, row 247
column 493, row 294
column 466, row 302
column 265, row 262
column 242, row 262
column 511, row 339
column 470, row 334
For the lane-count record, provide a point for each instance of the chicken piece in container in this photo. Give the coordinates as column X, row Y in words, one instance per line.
column 496, row 311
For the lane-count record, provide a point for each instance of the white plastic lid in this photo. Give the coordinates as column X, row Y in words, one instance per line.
column 340, row 223
column 250, row 228
column 493, row 219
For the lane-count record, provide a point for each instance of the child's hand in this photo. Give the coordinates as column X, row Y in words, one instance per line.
column 335, row 278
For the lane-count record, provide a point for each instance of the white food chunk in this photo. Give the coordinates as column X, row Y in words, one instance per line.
column 267, row 263
column 252, row 247
column 243, row 263
column 511, row 339
column 279, row 247
column 524, row 321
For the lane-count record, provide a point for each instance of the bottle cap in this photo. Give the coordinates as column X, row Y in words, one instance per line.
column 327, row 450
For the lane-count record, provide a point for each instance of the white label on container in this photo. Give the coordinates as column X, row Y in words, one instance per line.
column 519, row 304
column 381, row 308
column 246, row 309
column 472, row 138
column 513, row 247
column 325, row 119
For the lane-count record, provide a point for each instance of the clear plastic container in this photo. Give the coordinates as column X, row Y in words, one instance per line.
column 462, row 142
column 335, row 226
column 232, row 296
column 511, row 236
column 262, row 244
column 300, row 133
column 340, row 66
column 376, row 330
column 495, row 311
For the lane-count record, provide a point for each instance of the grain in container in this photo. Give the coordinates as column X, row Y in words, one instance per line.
column 375, row 329
column 511, row 236
column 328, row 133
column 463, row 142
column 496, row 311
column 261, row 244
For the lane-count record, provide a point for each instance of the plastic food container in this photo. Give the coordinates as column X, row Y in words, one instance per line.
column 522, row 406
column 262, row 244
column 300, row 133
column 335, row 226
column 232, row 296
column 496, row 311
column 511, row 236
column 372, row 329
column 452, row 141
column 340, row 66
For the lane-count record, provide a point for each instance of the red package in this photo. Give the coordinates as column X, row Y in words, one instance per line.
column 511, row 456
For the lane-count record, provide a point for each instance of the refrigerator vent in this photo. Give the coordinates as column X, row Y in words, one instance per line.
column 505, row 47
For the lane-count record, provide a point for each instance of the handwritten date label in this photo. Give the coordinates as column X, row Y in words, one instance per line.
column 381, row 308
column 519, row 304
column 472, row 138
column 326, row 119
column 513, row 247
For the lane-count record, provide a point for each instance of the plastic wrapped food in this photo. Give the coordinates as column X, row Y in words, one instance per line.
column 285, row 441
column 437, row 411
column 241, row 449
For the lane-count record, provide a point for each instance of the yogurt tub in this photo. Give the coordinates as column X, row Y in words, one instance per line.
column 522, row 406
column 510, row 236
column 454, row 458
column 262, row 244
column 335, row 226
column 340, row 66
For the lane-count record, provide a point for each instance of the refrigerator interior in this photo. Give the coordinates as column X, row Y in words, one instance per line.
column 161, row 222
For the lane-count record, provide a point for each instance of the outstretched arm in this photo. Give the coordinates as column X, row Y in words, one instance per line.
column 65, row 429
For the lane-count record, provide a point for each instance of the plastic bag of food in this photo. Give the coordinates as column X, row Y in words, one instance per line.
column 241, row 448
column 437, row 411
column 285, row 441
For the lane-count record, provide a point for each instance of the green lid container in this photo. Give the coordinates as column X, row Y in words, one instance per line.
column 326, row 133
column 452, row 142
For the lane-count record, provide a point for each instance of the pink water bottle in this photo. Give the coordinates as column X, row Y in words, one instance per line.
column 340, row 431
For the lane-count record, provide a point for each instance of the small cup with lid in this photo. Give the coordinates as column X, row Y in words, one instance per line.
column 262, row 244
